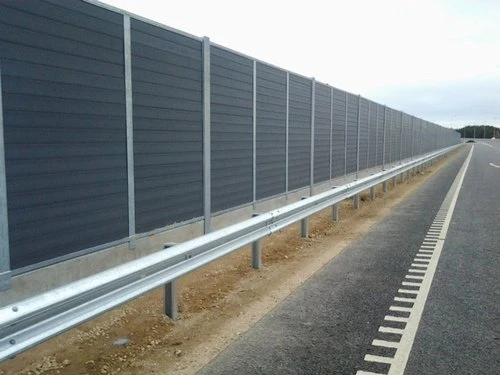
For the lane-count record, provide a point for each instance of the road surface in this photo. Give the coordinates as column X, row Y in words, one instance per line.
column 418, row 294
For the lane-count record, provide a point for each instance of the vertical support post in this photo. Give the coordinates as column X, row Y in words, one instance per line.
column 331, row 130
column 376, row 138
column 313, row 112
column 254, row 127
column 368, row 152
column 170, row 300
column 384, row 186
column 357, row 142
column 5, row 281
column 394, row 181
column 207, row 188
column 287, row 122
column 345, row 134
column 256, row 252
column 335, row 212
column 412, row 136
column 170, row 294
column 304, row 225
column 355, row 201
column 372, row 193
column 127, row 50
column 383, row 146
column 401, row 140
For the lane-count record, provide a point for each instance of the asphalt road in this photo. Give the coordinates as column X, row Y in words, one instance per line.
column 327, row 325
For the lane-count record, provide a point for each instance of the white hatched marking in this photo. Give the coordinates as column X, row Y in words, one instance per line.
column 424, row 255
column 377, row 358
column 416, row 271
column 426, row 251
column 404, row 299
column 419, row 265
column 391, row 318
column 414, row 277
column 397, row 331
column 422, row 260
column 385, row 344
column 361, row 372
column 408, row 283
column 400, row 308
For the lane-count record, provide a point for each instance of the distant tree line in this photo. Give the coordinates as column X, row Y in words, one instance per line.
column 479, row 131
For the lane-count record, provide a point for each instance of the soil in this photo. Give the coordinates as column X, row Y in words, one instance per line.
column 216, row 303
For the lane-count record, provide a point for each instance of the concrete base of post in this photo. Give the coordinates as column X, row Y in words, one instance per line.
column 355, row 201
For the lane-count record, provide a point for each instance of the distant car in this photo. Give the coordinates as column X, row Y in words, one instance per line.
column 470, row 141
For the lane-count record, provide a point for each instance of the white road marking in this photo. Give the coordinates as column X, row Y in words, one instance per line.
column 400, row 308
column 377, row 358
column 414, row 277
column 410, row 331
column 391, row 318
column 404, row 299
column 425, row 251
column 419, row 265
column 424, row 255
column 361, row 372
column 385, row 344
column 494, row 165
column 408, row 283
column 391, row 330
column 416, row 271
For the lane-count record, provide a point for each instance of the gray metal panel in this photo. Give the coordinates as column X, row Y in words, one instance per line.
column 363, row 134
column 5, row 282
column 299, row 132
column 338, row 133
column 168, row 129
column 407, row 136
column 373, row 133
column 271, row 127
column 322, row 133
column 352, row 132
column 380, row 133
column 395, row 135
column 65, row 131
column 232, row 129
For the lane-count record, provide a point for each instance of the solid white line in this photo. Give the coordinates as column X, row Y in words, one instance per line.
column 403, row 351
column 414, row 277
column 407, row 291
column 397, row 331
column 403, row 299
column 400, row 308
column 385, row 344
column 408, row 283
column 392, row 318
column 377, row 358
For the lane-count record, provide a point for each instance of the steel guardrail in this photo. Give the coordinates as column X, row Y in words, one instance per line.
column 36, row 319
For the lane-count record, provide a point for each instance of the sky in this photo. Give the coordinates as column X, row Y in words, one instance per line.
column 435, row 59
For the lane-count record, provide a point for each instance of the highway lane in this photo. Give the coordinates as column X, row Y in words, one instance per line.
column 460, row 329
column 328, row 325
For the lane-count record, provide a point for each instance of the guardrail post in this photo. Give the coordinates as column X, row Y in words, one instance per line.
column 256, row 251
column 304, row 225
column 5, row 281
column 384, row 186
column 355, row 201
column 372, row 193
column 335, row 212
column 170, row 294
column 394, row 181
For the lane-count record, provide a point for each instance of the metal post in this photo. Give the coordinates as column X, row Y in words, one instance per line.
column 256, row 251
column 331, row 130
column 207, row 193
column 394, row 181
column 355, row 201
column 383, row 143
column 412, row 136
column 304, row 226
column 335, row 212
column 384, row 186
column 345, row 135
column 313, row 111
column 287, row 116
column 401, row 140
column 372, row 193
column 5, row 281
column 254, row 127
column 170, row 294
column 376, row 138
column 368, row 152
column 357, row 144
column 127, row 51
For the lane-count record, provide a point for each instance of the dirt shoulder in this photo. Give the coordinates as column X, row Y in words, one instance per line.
column 217, row 303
